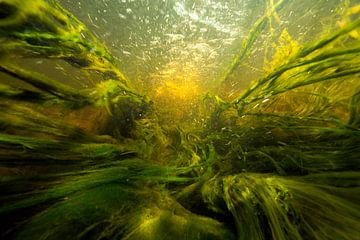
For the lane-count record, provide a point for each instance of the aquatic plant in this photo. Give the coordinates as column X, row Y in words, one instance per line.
column 278, row 161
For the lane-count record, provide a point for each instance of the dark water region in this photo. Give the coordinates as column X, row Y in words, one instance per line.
column 173, row 119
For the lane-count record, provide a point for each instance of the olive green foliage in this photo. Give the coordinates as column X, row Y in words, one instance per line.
column 280, row 161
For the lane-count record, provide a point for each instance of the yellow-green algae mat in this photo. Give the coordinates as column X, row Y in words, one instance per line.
column 279, row 161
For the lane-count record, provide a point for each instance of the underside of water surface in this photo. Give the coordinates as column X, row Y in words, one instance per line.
column 180, row 119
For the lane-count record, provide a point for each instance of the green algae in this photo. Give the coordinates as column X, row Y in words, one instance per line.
column 279, row 161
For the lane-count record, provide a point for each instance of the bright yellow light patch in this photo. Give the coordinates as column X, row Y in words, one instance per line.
column 181, row 91
column 177, row 100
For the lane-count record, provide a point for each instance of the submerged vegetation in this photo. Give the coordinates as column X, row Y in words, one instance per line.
column 279, row 160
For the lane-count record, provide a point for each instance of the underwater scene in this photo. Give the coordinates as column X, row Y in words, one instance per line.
column 180, row 119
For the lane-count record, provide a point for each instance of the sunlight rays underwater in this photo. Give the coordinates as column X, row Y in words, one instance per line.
column 94, row 154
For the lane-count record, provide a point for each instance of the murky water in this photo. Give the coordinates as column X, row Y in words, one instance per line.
column 169, row 119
